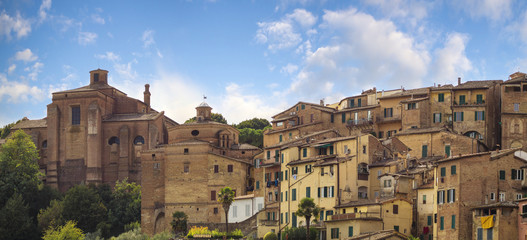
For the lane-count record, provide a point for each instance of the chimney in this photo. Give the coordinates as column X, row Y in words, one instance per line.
column 147, row 96
column 459, row 81
column 321, row 102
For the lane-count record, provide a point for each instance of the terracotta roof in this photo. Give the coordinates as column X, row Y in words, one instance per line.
column 244, row 146
column 442, row 87
column 380, row 235
column 306, row 103
column 244, row 197
column 498, row 204
column 133, row 117
column 24, row 124
column 410, row 131
column 478, row 84
column 452, row 158
column 365, row 202
column 414, row 99
column 300, row 141
column 92, row 87
column 406, row 93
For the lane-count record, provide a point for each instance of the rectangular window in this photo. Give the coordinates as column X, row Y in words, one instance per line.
column 343, row 117
column 479, row 99
column 350, row 231
column 294, row 170
column 216, row 169
column 352, row 103
column 424, row 199
column 489, row 234
column 286, row 194
column 359, row 102
column 185, row 151
column 451, row 195
column 453, row 221
column 447, row 150
column 440, row 197
column 395, row 209
column 516, row 107
column 334, row 233
column 281, row 218
column 303, row 106
column 462, row 100
column 293, row 194
column 276, row 155
column 304, row 152
column 286, row 174
column 388, row 112
column 286, row 217
column 453, row 170
column 186, row 167
column 213, row 195
column 411, row 106
column 502, row 197
column 429, row 220
column 480, row 234
column 424, row 151
column 479, row 115
column 308, row 192
column 268, row 155
column 312, row 118
column 216, row 210
column 75, row 115
column 502, row 174
column 442, row 223
column 332, row 118
column 257, row 184
column 381, row 134
column 280, row 138
column 441, row 97
column 443, row 172
column 492, row 196
column 281, row 196
column 293, row 219
column 282, row 157
column 458, row 116
column 230, row 168
column 437, row 117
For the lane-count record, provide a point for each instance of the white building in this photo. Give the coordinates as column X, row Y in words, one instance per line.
column 245, row 207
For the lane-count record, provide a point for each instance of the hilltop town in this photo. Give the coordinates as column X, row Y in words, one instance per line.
column 438, row 162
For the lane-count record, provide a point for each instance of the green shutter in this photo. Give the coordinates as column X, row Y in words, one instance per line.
column 268, row 155
column 257, row 184
column 442, row 223
column 343, row 117
column 281, row 218
column 304, row 152
column 330, row 150
column 293, row 219
column 424, row 151
column 475, row 115
column 447, row 150
column 439, row 117
column 281, row 196
column 332, row 118
column 513, row 174
column 385, row 112
column 308, row 192
column 443, row 172
column 429, row 220
column 453, row 170
column 359, row 102
column 286, row 173
column 293, row 194
column 462, row 118
column 479, row 98
column 483, row 115
column 280, row 138
column 453, row 221
column 502, row 174
column 303, row 106
column 350, row 231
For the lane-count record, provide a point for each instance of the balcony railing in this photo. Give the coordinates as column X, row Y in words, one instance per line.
column 350, row 216
column 469, row 103
column 269, row 222
column 359, row 122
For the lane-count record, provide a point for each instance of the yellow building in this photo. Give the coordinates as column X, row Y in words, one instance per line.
column 358, row 217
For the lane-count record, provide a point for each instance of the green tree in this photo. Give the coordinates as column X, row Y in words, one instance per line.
column 179, row 222
column 83, row 205
column 307, row 209
column 51, row 217
column 251, row 136
column 270, row 236
column 15, row 222
column 66, row 232
column 226, row 198
column 216, row 117
column 255, row 123
column 125, row 206
column 18, row 167
column 4, row 132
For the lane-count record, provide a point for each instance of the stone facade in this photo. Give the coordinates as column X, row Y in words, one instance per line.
column 514, row 112
column 94, row 134
column 188, row 172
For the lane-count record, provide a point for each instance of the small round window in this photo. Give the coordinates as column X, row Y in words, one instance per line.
column 195, row 133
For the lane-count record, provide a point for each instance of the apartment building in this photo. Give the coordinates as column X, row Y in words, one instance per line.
column 514, row 111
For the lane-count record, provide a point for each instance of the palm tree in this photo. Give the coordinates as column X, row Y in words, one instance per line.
column 226, row 197
column 307, row 209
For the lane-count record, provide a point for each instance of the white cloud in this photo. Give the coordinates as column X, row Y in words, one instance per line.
column 519, row 28
column 148, row 38
column 237, row 107
column 159, row 54
column 413, row 10
column 11, row 69
column 451, row 61
column 110, row 56
column 125, row 70
column 284, row 33
column 495, row 10
column 303, row 17
column 18, row 25
column 34, row 70
column 289, row 68
column 42, row 11
column 364, row 52
column 25, row 55
column 86, row 38
column 16, row 92
column 98, row 19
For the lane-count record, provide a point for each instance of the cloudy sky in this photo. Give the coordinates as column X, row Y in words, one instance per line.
column 251, row 58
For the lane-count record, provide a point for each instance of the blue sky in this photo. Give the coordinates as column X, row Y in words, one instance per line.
column 251, row 58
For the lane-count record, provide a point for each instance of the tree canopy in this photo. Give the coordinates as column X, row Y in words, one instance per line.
column 307, row 209
column 255, row 123
column 125, row 205
column 83, row 205
column 216, row 117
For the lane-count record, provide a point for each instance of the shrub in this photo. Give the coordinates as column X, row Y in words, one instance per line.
column 270, row 236
column 299, row 233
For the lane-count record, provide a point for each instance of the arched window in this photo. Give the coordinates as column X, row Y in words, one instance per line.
column 139, row 140
column 113, row 140
column 363, row 192
column 45, row 144
column 474, row 134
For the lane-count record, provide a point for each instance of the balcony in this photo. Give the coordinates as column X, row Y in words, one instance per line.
column 395, row 118
column 359, row 122
column 470, row 104
column 270, row 223
column 352, row 216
